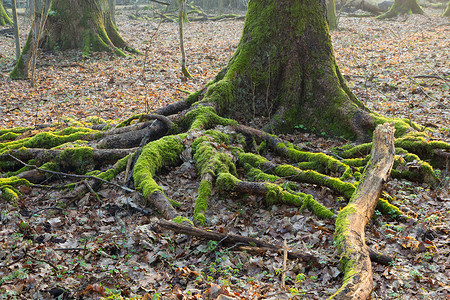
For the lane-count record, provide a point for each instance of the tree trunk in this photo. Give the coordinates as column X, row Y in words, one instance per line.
column 447, row 11
column 4, row 18
column 16, row 29
column 331, row 14
column 82, row 24
column 401, row 7
column 284, row 69
column 26, row 62
column 181, row 17
column 112, row 9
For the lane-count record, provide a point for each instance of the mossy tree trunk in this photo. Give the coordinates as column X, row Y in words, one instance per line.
column 181, row 16
column 402, row 7
column 447, row 11
column 4, row 18
column 284, row 69
column 331, row 14
column 82, row 24
column 24, row 67
column 16, row 29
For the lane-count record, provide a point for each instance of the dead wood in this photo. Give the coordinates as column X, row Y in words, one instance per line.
column 351, row 220
column 238, row 242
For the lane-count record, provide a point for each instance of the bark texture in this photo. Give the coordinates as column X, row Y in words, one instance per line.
column 401, row 7
column 284, row 69
column 350, row 223
column 4, row 18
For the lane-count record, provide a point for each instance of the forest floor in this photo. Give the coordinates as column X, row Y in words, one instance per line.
column 100, row 248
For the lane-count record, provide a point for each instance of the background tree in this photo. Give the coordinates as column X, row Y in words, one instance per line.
column 331, row 14
column 181, row 16
column 75, row 24
column 4, row 17
column 16, row 29
column 401, row 7
column 447, row 10
column 25, row 65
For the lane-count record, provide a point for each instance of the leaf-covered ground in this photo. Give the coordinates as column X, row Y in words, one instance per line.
column 103, row 246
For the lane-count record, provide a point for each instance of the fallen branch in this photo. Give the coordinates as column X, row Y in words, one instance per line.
column 243, row 242
column 350, row 223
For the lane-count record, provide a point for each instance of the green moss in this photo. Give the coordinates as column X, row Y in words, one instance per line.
column 388, row 209
column 15, row 130
column 119, row 166
column 182, row 220
column 254, row 160
column 9, row 136
column 402, row 126
column 329, row 164
column 340, row 235
column 48, row 140
column 201, row 203
column 20, row 71
column 154, row 156
column 7, row 188
column 275, row 194
column 226, row 182
column 255, row 174
column 204, row 117
column 415, row 142
column 81, row 157
column 9, row 194
column 354, row 150
column 13, row 181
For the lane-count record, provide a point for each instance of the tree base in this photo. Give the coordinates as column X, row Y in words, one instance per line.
column 402, row 7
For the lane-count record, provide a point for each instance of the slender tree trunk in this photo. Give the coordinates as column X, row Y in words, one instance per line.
column 16, row 29
column 181, row 16
column 447, row 11
column 26, row 62
column 401, row 7
column 4, row 18
column 331, row 14
column 112, row 9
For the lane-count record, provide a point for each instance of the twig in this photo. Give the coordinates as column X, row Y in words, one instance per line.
column 44, row 261
column 283, row 274
column 72, row 175
column 431, row 76
column 160, row 2
column 46, row 208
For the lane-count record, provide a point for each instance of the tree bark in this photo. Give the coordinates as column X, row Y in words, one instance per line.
column 16, row 29
column 4, row 17
column 181, row 16
column 26, row 62
column 447, row 11
column 350, row 223
column 331, row 14
column 75, row 24
column 284, row 69
column 402, row 7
